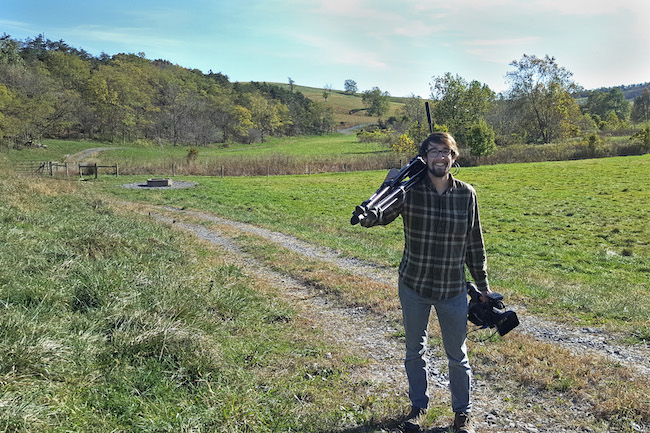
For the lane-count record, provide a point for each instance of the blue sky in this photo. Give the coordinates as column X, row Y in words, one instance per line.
column 396, row 45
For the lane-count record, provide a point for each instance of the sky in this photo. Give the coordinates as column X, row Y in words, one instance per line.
column 399, row 46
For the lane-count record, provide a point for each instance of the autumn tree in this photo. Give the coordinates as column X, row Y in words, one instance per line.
column 51, row 89
column 268, row 116
column 540, row 91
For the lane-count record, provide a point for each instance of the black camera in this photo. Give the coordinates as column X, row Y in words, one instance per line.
column 492, row 313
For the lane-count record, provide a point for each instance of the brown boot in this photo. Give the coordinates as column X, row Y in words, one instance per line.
column 413, row 419
column 463, row 423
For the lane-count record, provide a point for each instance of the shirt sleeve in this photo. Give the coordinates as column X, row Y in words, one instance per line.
column 476, row 258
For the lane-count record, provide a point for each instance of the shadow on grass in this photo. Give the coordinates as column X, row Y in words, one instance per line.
column 389, row 426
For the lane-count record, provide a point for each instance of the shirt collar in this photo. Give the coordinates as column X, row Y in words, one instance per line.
column 453, row 184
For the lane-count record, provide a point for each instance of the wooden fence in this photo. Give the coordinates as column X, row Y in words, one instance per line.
column 53, row 168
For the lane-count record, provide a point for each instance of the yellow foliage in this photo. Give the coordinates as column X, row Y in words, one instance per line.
column 405, row 145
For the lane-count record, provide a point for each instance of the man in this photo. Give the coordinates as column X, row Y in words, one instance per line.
column 442, row 234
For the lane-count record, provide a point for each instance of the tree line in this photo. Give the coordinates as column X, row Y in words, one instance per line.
column 542, row 104
column 50, row 89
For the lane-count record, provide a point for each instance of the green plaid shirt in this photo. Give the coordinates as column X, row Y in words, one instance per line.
column 442, row 234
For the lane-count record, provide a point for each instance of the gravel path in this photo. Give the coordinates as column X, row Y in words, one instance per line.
column 86, row 153
column 372, row 333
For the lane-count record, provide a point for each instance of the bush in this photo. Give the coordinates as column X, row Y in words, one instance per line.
column 643, row 136
column 192, row 154
column 480, row 139
column 384, row 136
column 405, row 144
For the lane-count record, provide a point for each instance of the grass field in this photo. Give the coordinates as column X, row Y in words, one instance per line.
column 112, row 322
column 557, row 235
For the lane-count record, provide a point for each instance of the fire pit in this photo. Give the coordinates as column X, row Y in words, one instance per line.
column 159, row 182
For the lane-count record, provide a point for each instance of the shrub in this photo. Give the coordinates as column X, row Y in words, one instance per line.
column 643, row 136
column 384, row 136
column 405, row 144
column 480, row 139
column 192, row 154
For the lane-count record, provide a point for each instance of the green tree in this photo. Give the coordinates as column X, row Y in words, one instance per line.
column 641, row 108
column 9, row 51
column 540, row 90
column 5, row 100
column 376, row 102
column 480, row 139
column 350, row 86
column 611, row 122
column 615, row 101
column 321, row 117
column 602, row 103
column 460, row 104
column 327, row 89
column 643, row 136
column 414, row 109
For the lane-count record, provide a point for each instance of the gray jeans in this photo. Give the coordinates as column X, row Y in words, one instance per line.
column 452, row 316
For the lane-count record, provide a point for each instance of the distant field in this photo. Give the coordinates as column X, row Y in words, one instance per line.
column 570, row 237
column 287, row 155
column 343, row 103
column 301, row 146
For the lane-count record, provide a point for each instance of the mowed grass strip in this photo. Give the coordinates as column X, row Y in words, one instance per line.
column 111, row 322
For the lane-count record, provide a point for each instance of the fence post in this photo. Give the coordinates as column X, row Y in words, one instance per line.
column 96, row 171
column 117, row 172
column 222, row 171
column 51, row 173
column 67, row 173
column 173, row 170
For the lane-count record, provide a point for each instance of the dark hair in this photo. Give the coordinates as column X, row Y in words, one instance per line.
column 439, row 138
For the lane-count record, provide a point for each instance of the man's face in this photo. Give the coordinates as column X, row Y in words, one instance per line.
column 439, row 159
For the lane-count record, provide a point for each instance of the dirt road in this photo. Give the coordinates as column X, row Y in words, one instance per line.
column 500, row 407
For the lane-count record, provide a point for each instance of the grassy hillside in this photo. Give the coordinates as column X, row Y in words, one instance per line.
column 348, row 109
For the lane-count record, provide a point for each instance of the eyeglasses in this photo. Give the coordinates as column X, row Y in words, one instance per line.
column 434, row 153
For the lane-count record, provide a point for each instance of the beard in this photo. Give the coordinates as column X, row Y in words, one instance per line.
column 438, row 171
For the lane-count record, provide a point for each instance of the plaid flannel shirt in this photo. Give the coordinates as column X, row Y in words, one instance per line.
column 442, row 234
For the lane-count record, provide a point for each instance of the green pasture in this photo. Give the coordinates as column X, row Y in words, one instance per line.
column 142, row 153
column 303, row 146
column 569, row 238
